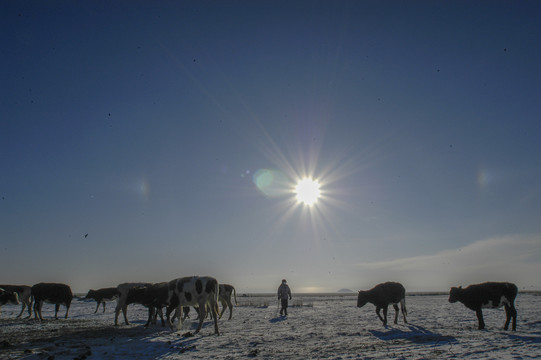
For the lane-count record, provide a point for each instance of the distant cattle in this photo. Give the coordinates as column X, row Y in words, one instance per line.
column 8, row 297
column 488, row 295
column 191, row 291
column 102, row 295
column 383, row 295
column 24, row 293
column 57, row 294
column 123, row 290
column 226, row 291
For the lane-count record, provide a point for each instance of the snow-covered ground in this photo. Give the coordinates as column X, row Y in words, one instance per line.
column 318, row 327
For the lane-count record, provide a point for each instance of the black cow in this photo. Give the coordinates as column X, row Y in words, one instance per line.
column 24, row 293
column 383, row 295
column 57, row 294
column 102, row 295
column 154, row 297
column 488, row 295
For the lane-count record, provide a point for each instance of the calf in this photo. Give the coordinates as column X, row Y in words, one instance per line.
column 226, row 291
column 154, row 297
column 123, row 290
column 8, row 297
column 57, row 294
column 488, row 295
column 102, row 295
column 190, row 291
column 383, row 295
column 24, row 293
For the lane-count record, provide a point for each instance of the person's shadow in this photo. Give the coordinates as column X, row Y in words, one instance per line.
column 278, row 319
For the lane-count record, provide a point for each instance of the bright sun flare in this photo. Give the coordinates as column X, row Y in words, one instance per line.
column 307, row 191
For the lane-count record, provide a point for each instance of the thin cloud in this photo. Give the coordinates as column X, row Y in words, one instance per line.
column 509, row 258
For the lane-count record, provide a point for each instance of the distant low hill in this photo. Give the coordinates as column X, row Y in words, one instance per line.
column 345, row 291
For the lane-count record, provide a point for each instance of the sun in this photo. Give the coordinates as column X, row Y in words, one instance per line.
column 307, row 191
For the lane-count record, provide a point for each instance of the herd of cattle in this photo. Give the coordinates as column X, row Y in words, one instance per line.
column 203, row 293
column 176, row 296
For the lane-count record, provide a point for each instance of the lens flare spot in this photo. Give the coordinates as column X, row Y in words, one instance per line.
column 270, row 182
column 483, row 178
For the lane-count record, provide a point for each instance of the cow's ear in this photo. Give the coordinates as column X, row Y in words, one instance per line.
column 460, row 287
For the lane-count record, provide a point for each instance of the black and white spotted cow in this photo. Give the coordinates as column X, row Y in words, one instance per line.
column 102, row 295
column 123, row 290
column 488, row 295
column 226, row 291
column 52, row 293
column 194, row 291
column 24, row 293
column 8, row 297
column 383, row 295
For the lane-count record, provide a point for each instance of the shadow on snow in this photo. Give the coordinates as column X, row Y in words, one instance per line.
column 416, row 334
column 277, row 319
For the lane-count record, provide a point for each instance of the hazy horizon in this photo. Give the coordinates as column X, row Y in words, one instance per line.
column 146, row 141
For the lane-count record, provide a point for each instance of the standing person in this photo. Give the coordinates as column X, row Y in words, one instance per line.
column 283, row 293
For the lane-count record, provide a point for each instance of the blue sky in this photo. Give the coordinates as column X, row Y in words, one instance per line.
column 148, row 126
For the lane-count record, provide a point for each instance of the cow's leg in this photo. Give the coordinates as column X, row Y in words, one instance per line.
column 378, row 309
column 36, row 309
column 160, row 312
column 23, row 305
column 202, row 315
column 214, row 312
column 479, row 313
column 124, row 312
column 230, row 305
column 103, row 302
column 385, row 315
column 168, row 311
column 179, row 317
column 150, row 314
column 154, row 315
column 510, row 312
column 507, row 317
column 403, row 308
column 67, row 310
column 171, row 309
column 39, row 311
column 224, row 307
column 56, row 308
column 117, row 311
column 97, row 306
column 29, row 308
column 396, row 311
column 186, row 314
column 514, row 316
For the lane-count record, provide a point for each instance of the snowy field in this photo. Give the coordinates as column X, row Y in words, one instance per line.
column 318, row 327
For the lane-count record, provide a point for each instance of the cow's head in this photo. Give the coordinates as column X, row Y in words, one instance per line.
column 8, row 297
column 454, row 294
column 362, row 299
column 90, row 294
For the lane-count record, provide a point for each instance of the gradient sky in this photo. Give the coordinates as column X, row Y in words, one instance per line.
column 149, row 140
